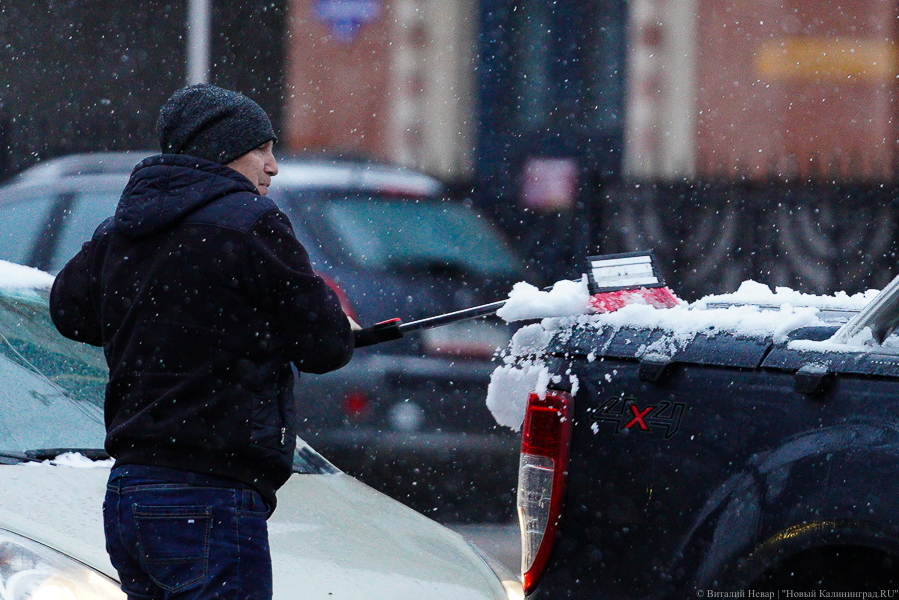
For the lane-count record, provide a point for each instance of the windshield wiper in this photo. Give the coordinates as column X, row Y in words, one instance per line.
column 42, row 454
column 51, row 453
column 19, row 456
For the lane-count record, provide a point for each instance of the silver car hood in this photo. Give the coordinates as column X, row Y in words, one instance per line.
column 331, row 536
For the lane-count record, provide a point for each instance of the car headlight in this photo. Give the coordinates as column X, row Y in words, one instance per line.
column 32, row 571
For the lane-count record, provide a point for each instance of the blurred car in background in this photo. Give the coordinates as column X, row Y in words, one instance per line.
column 408, row 417
column 330, row 535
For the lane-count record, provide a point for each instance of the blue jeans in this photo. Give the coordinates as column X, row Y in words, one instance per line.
column 177, row 535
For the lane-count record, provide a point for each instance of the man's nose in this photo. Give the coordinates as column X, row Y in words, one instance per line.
column 272, row 167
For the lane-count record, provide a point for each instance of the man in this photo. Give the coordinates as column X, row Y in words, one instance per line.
column 201, row 297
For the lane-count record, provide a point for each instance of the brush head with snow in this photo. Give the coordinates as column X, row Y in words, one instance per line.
column 565, row 299
column 572, row 298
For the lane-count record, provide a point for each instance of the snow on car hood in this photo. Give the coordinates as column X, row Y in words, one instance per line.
column 754, row 310
column 13, row 276
column 59, row 507
column 23, row 282
column 357, row 543
column 331, row 537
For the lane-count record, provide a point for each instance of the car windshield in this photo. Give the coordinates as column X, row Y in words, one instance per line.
column 52, row 388
column 388, row 232
column 51, row 395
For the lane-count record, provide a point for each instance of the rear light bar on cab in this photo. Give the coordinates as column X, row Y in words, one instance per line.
column 542, row 475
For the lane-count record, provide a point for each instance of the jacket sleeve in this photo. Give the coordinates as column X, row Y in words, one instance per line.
column 71, row 307
column 307, row 312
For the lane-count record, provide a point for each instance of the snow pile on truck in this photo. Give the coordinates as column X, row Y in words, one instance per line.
column 754, row 310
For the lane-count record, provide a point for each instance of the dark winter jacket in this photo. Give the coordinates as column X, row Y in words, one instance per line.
column 201, row 297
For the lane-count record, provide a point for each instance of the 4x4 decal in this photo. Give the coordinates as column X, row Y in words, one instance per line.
column 626, row 414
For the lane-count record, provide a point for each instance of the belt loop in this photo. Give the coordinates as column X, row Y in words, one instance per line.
column 114, row 483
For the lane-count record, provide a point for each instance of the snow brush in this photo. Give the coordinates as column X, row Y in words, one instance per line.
column 613, row 281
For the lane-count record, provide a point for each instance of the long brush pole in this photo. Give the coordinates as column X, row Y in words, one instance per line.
column 394, row 329
column 615, row 281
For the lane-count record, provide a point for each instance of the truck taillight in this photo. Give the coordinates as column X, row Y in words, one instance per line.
column 542, row 474
column 356, row 405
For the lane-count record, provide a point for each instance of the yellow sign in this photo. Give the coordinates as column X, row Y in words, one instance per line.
column 830, row 59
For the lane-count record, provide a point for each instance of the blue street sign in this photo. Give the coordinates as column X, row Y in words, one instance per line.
column 347, row 17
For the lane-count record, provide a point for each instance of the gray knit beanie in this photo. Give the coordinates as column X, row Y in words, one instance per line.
column 212, row 123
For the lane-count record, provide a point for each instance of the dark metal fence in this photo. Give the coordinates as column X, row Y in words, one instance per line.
column 812, row 237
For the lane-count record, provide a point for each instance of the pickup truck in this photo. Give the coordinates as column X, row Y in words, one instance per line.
column 744, row 445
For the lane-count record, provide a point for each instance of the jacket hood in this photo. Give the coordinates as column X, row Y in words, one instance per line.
column 166, row 188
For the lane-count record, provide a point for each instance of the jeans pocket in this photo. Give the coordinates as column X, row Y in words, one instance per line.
column 174, row 544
